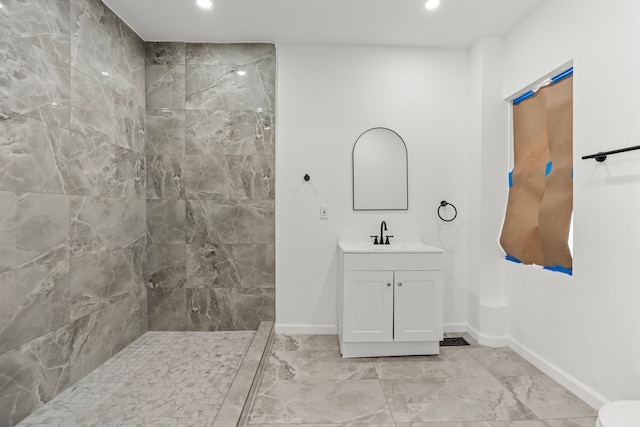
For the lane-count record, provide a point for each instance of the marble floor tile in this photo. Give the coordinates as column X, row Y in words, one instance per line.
column 326, row 365
column 503, row 362
column 453, row 399
column 546, row 398
column 305, row 342
column 324, row 425
column 452, row 362
column 321, row 401
column 573, row 422
column 533, row 423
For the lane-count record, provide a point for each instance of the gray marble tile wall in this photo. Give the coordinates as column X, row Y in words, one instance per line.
column 72, row 196
column 210, row 185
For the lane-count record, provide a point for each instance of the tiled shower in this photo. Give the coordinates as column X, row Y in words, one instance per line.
column 136, row 192
column 210, row 185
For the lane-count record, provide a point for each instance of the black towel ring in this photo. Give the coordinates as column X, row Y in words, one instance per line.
column 443, row 204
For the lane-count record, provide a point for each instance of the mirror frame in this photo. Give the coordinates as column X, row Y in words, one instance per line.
column 353, row 172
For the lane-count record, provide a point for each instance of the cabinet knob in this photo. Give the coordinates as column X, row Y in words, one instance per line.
column 388, row 284
column 399, row 283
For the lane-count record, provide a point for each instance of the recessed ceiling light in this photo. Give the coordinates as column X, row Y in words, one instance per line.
column 432, row 4
column 241, row 73
column 106, row 74
column 205, row 4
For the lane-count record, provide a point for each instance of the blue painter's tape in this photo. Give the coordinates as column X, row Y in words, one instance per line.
column 510, row 179
column 521, row 98
column 549, row 167
column 513, row 259
column 562, row 75
column 560, row 269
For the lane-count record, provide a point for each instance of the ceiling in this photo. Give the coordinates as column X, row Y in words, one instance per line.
column 455, row 24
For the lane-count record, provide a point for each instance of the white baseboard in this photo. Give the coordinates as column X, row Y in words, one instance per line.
column 488, row 340
column 584, row 392
column 292, row 329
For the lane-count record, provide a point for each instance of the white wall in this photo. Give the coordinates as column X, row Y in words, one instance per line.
column 587, row 327
column 488, row 165
column 328, row 96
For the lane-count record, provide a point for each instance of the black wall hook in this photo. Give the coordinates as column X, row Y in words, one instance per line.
column 307, row 177
column 443, row 204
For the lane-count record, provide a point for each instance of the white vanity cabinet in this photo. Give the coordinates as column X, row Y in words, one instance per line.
column 390, row 299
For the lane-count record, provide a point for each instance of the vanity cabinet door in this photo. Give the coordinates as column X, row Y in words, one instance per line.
column 368, row 306
column 418, row 306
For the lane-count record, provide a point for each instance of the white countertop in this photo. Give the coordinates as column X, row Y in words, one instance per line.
column 400, row 244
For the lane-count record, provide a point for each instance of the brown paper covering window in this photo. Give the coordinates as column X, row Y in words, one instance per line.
column 538, row 217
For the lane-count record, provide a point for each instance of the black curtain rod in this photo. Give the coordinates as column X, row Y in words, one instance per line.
column 601, row 157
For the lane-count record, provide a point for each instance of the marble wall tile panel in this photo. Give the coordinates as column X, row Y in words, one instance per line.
column 44, row 24
column 103, row 333
column 35, row 83
column 34, row 229
column 100, row 112
column 165, row 177
column 101, row 224
column 165, row 132
column 165, row 87
column 135, row 48
column 229, row 309
column 166, row 266
column 7, row 241
column 230, row 266
column 221, row 177
column 167, row 309
column 91, row 166
column 98, row 50
column 230, row 54
column 100, row 14
column 209, row 221
column 165, row 53
column 112, row 24
column 27, row 161
column 33, row 374
column 229, row 132
column 97, row 281
column 221, row 88
column 166, row 221
column 33, row 301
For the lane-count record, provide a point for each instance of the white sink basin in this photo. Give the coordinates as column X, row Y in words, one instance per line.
column 399, row 247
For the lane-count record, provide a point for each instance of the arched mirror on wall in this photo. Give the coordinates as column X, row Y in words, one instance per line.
column 380, row 174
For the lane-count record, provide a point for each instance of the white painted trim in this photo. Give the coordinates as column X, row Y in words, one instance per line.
column 293, row 329
column 584, row 392
column 537, row 84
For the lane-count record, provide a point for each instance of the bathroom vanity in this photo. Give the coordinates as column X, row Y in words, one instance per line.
column 390, row 297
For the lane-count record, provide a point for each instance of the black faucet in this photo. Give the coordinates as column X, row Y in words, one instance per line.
column 383, row 228
column 382, row 241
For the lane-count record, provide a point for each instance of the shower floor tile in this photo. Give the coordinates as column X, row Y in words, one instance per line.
column 161, row 379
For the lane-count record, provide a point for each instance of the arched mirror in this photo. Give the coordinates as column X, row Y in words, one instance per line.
column 380, row 171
